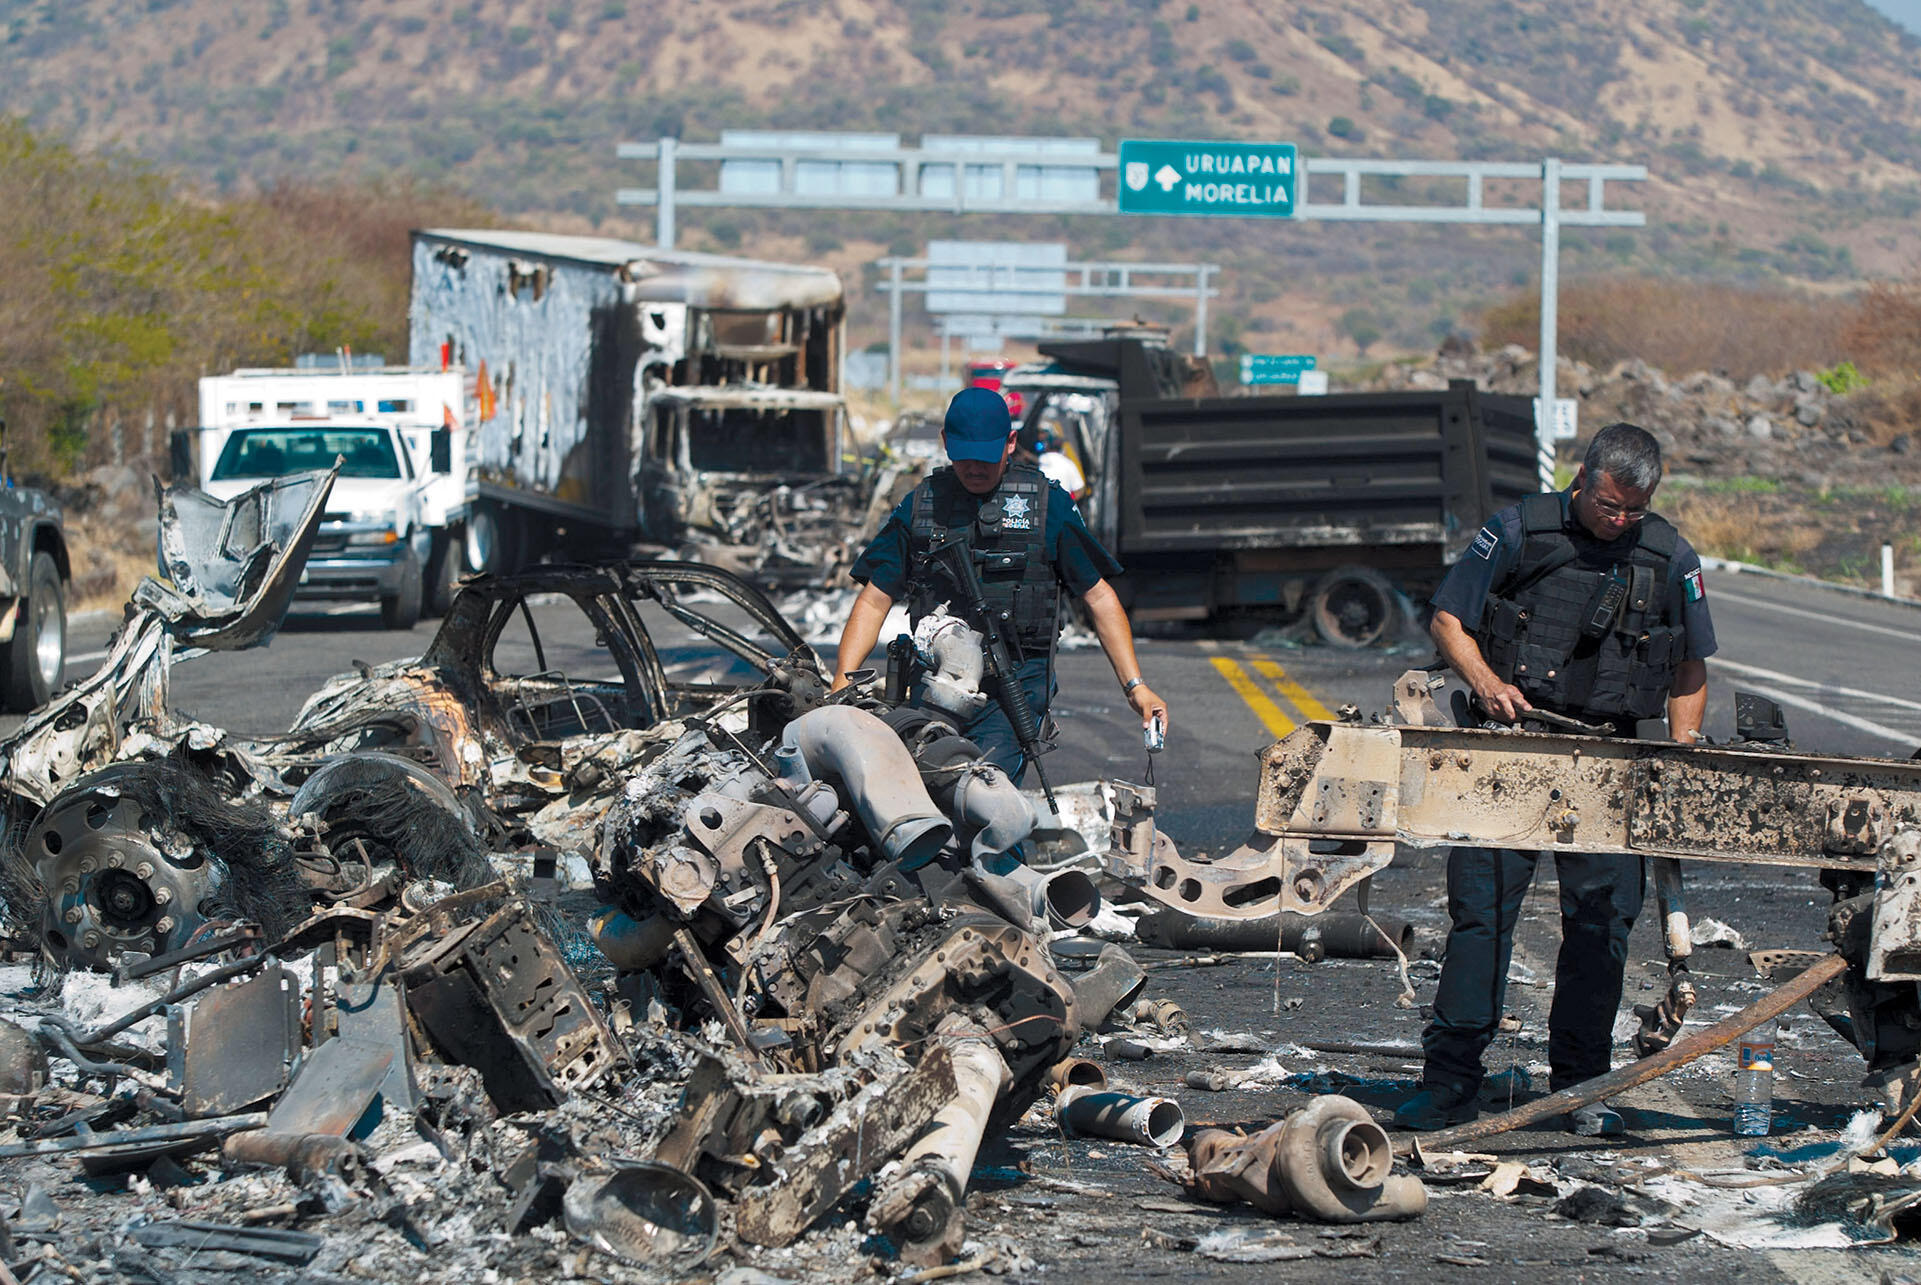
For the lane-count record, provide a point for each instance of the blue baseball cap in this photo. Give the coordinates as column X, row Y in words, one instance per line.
column 977, row 426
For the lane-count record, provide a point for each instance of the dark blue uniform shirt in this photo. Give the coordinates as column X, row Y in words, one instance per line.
column 1078, row 560
column 1497, row 550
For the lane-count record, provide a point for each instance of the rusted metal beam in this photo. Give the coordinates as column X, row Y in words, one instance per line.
column 1725, row 1031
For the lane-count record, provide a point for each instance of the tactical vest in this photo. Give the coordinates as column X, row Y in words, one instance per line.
column 1581, row 639
column 1008, row 532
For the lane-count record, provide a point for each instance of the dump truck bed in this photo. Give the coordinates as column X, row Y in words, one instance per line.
column 1349, row 470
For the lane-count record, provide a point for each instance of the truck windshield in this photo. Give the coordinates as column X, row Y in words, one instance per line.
column 741, row 439
column 275, row 452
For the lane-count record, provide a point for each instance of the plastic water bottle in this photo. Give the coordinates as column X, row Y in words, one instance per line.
column 1754, row 1083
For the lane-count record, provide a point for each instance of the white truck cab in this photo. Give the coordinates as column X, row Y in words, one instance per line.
column 392, row 530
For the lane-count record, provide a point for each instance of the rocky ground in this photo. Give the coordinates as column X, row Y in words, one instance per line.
column 1784, row 473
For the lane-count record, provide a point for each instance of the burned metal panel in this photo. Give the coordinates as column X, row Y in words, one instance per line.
column 539, row 352
column 234, row 563
column 497, row 996
column 240, row 1041
column 826, row 1162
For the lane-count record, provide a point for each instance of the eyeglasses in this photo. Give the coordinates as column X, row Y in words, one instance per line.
column 1616, row 513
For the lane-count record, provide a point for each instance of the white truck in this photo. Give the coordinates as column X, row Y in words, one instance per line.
column 394, row 528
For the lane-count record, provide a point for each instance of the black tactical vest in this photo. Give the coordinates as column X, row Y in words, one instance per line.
column 1007, row 529
column 1581, row 636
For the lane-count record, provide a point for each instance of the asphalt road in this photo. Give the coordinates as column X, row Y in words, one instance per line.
column 1839, row 663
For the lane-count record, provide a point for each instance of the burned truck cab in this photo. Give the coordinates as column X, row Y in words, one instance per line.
column 748, row 475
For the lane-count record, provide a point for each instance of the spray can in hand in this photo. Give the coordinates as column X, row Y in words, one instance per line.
column 1754, row 1082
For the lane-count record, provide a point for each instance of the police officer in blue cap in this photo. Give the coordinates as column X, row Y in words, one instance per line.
column 1038, row 545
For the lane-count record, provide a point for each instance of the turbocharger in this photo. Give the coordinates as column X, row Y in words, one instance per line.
column 1328, row 1161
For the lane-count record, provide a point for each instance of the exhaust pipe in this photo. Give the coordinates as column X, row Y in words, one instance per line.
column 881, row 778
column 1116, row 980
column 1077, row 1071
column 991, row 810
column 1064, row 899
column 920, row 1208
column 1099, row 1113
column 1328, row 1160
column 1342, row 935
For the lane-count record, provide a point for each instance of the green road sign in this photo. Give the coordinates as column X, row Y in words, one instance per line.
column 1274, row 368
column 1167, row 176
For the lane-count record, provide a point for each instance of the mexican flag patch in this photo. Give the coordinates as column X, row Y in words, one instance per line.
column 1691, row 583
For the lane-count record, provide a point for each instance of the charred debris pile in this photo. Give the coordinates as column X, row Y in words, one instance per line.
column 550, row 976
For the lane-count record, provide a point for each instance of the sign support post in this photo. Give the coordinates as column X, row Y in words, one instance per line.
column 1550, row 307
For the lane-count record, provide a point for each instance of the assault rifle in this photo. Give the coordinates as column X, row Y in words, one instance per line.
column 1002, row 670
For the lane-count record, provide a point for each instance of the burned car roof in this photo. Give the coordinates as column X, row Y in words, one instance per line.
column 656, row 641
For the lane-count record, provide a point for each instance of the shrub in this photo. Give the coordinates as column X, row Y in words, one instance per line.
column 1884, row 335
column 1842, row 378
column 1682, row 326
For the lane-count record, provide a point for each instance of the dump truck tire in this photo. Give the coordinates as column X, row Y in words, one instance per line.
column 491, row 543
column 1353, row 607
column 443, row 571
column 36, row 658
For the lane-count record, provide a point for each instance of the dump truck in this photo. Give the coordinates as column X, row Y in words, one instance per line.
column 631, row 398
column 1326, row 507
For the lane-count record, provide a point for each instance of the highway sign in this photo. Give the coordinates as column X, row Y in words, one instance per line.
column 1274, row 368
column 1567, row 418
column 1169, row 176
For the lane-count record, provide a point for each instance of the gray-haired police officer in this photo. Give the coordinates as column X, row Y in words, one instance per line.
column 1583, row 603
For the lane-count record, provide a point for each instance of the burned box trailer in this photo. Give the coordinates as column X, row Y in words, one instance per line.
column 1322, row 506
column 628, row 395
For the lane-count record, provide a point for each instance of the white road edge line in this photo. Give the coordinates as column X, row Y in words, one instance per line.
column 86, row 657
column 1908, row 635
column 1769, row 675
column 1829, row 712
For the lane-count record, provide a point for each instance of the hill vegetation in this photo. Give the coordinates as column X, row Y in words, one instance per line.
column 293, row 141
column 118, row 289
column 1781, row 134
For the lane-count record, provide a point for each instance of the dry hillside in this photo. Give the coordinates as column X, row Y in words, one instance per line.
column 1781, row 133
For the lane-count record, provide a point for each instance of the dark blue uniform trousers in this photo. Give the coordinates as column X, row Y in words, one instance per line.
column 990, row 729
column 1600, row 897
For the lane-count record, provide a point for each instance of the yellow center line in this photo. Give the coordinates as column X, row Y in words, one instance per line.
column 1277, row 723
column 1294, row 692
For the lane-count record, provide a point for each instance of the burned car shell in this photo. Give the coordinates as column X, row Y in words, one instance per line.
column 460, row 715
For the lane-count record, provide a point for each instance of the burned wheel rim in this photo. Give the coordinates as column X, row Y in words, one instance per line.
column 1353, row 607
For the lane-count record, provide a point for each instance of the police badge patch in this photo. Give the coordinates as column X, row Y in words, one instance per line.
column 1691, row 584
column 1484, row 543
column 1015, row 513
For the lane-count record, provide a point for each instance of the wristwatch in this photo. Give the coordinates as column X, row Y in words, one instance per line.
column 1128, row 686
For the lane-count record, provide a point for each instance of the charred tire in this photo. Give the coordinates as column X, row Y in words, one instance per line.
column 443, row 571
column 36, row 658
column 1354, row 607
column 402, row 609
